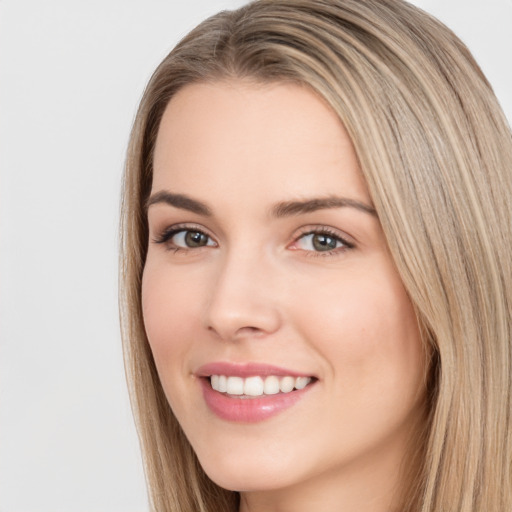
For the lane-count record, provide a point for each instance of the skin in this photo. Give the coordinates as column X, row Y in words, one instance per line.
column 260, row 291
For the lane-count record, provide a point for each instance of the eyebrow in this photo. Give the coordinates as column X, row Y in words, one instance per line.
column 279, row 210
column 290, row 208
column 179, row 201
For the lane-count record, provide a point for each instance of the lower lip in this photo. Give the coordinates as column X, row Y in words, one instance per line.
column 249, row 410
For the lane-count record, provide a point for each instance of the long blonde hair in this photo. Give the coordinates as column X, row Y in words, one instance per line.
column 436, row 152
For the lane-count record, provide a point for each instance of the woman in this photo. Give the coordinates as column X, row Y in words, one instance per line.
column 316, row 266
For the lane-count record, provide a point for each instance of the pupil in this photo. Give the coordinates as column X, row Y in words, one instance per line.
column 195, row 239
column 324, row 242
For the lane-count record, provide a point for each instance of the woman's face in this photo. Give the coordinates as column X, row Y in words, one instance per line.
column 268, row 275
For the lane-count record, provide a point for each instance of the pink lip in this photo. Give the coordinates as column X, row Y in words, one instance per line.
column 247, row 410
column 245, row 370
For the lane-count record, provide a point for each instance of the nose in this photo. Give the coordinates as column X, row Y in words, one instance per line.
column 244, row 301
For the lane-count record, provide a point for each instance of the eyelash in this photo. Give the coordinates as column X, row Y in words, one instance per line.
column 166, row 236
column 323, row 230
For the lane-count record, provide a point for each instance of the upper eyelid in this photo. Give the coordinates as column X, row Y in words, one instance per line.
column 319, row 228
column 183, row 227
column 164, row 235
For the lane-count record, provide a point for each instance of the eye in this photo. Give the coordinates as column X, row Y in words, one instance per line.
column 181, row 238
column 191, row 239
column 321, row 241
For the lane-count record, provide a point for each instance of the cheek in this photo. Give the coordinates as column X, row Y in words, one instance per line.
column 367, row 330
column 167, row 314
column 170, row 321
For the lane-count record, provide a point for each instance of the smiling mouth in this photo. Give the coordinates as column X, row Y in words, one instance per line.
column 253, row 387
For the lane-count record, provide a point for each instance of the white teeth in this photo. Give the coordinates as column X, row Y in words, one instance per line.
column 257, row 386
column 235, row 386
column 302, row 382
column 286, row 384
column 271, row 386
column 253, row 386
column 223, row 384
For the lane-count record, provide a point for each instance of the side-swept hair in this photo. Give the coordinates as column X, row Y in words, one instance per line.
column 436, row 153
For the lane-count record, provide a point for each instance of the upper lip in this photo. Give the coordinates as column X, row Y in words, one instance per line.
column 246, row 370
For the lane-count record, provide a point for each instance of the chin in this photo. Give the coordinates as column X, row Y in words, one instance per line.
column 232, row 474
column 244, row 482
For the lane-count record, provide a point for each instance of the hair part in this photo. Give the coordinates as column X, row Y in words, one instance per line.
column 436, row 153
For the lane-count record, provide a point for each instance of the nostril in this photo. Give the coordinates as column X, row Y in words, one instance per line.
column 248, row 331
column 240, row 332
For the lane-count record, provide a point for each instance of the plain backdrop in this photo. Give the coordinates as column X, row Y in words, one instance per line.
column 71, row 74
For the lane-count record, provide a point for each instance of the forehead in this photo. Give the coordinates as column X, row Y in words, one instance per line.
column 243, row 135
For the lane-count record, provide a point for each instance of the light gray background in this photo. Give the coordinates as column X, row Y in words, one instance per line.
column 71, row 74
